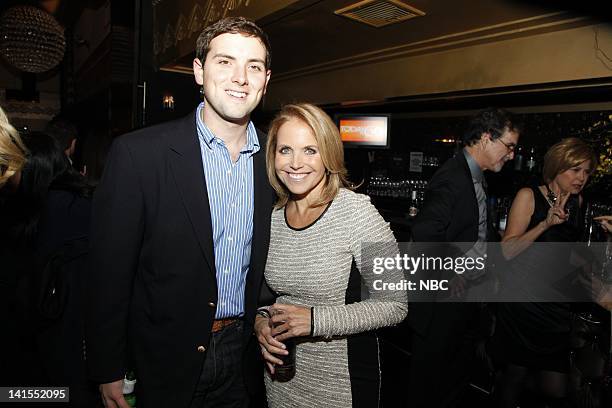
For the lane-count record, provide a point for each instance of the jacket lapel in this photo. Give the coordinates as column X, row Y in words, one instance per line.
column 263, row 199
column 261, row 207
column 186, row 164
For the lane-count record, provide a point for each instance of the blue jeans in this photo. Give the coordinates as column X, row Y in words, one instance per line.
column 221, row 383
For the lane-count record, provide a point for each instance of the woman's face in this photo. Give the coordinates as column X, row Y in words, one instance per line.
column 297, row 160
column 574, row 179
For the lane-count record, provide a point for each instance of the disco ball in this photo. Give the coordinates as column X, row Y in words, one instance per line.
column 31, row 40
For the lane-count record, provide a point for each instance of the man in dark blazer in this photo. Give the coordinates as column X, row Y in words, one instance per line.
column 455, row 211
column 180, row 236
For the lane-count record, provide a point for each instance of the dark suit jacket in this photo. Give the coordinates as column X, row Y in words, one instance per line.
column 61, row 272
column 450, row 210
column 153, row 285
column 449, row 214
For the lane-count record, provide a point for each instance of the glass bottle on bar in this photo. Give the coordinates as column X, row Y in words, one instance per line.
column 588, row 227
column 531, row 161
column 413, row 206
column 502, row 213
column 129, row 393
column 518, row 158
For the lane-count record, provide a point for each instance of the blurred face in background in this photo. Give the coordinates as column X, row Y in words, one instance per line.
column 499, row 151
column 575, row 178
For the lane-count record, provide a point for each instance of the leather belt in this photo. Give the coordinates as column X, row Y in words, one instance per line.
column 220, row 324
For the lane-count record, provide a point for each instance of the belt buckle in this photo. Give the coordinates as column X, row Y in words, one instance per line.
column 220, row 324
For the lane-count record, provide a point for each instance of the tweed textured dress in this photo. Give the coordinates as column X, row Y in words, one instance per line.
column 338, row 366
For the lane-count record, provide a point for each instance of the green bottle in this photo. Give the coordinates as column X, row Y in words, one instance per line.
column 128, row 389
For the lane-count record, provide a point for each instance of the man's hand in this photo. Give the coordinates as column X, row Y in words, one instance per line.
column 112, row 395
column 268, row 344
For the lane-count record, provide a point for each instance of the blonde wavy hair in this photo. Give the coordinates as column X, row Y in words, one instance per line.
column 330, row 148
column 12, row 150
column 566, row 154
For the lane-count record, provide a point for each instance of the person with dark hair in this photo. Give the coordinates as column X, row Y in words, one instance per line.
column 64, row 132
column 180, row 234
column 532, row 337
column 495, row 123
column 50, row 216
column 47, row 172
column 455, row 210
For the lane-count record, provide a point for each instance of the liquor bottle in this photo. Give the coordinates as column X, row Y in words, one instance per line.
column 413, row 207
column 128, row 389
column 588, row 226
column 531, row 161
column 502, row 213
column 518, row 159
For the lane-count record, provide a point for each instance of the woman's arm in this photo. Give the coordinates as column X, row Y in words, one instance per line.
column 517, row 238
column 369, row 237
column 605, row 294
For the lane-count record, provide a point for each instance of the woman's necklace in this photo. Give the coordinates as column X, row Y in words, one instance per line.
column 550, row 196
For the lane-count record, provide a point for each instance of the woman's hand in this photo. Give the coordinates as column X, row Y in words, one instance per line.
column 290, row 321
column 268, row 344
column 557, row 214
column 605, row 221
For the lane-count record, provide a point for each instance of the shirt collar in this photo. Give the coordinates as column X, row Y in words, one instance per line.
column 475, row 170
column 207, row 136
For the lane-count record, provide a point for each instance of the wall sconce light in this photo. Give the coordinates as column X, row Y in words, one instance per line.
column 445, row 140
column 168, row 102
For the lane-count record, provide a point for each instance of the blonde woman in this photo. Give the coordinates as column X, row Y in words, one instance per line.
column 321, row 239
column 532, row 336
column 12, row 152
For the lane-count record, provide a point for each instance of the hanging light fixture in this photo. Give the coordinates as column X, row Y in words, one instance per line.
column 31, row 40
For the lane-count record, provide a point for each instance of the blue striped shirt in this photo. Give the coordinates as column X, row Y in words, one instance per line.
column 230, row 195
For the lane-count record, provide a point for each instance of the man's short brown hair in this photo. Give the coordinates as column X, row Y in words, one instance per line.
column 232, row 25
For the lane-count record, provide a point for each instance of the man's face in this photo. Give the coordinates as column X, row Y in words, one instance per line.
column 499, row 151
column 234, row 77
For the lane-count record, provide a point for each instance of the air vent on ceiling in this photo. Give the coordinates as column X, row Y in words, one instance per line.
column 379, row 13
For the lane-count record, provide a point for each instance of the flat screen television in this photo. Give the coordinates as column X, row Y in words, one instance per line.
column 365, row 131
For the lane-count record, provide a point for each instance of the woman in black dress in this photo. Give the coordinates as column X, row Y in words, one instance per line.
column 45, row 225
column 532, row 336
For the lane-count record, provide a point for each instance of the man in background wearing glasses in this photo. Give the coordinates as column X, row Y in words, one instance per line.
column 455, row 210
